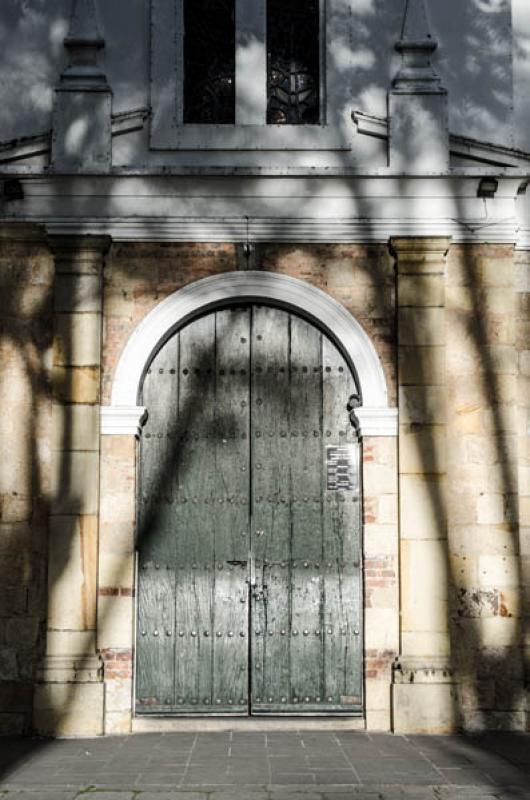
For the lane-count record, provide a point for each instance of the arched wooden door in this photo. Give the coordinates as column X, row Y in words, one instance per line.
column 249, row 524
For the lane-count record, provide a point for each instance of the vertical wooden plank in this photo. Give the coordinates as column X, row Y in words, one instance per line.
column 194, row 529
column 270, row 454
column 231, row 514
column 306, row 512
column 155, row 541
column 342, row 541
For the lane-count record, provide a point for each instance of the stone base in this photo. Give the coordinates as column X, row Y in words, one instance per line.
column 68, row 709
column 424, row 708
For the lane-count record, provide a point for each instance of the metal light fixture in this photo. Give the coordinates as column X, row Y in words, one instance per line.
column 487, row 187
column 13, row 190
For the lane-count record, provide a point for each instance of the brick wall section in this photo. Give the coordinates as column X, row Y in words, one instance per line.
column 26, row 279
column 139, row 276
column 486, row 592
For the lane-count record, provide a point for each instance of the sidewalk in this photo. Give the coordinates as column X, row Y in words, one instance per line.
column 272, row 766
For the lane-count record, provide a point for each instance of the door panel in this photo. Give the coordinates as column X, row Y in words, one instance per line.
column 249, row 580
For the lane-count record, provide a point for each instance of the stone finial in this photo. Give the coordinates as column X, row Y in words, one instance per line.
column 82, row 135
column 417, row 104
column 416, row 46
column 84, row 43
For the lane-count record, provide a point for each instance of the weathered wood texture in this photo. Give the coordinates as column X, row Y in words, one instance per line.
column 249, row 587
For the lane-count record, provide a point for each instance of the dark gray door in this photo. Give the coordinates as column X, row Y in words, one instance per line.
column 249, row 577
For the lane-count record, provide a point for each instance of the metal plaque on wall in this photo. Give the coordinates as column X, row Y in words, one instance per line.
column 342, row 472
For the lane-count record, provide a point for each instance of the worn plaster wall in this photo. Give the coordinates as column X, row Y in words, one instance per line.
column 475, row 60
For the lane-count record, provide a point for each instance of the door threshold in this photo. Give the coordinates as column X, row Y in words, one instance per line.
column 200, row 724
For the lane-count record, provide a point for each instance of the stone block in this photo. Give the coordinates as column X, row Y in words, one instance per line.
column 524, row 363
column 70, row 642
column 381, row 629
column 75, row 427
column 498, row 571
column 424, row 582
column 421, row 326
column 379, row 479
column 76, row 384
column 118, row 723
column 116, row 506
column 463, row 570
column 421, row 290
column 8, row 664
column 77, row 340
column 75, row 488
column 117, row 537
column 15, row 507
column 377, row 695
column 116, row 570
column 72, row 572
column 70, row 709
column 420, row 366
column 422, row 448
column 524, row 511
column 387, row 513
column 522, row 277
column 421, row 643
column 115, row 622
column 524, row 540
column 77, row 293
column 426, row 404
column 424, row 708
column 497, row 271
column 118, row 695
column 377, row 721
column 500, row 359
column 491, row 509
column 13, row 724
column 499, row 631
column 379, row 540
column 422, row 506
column 485, row 539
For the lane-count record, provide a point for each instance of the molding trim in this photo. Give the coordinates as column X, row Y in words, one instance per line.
column 216, row 291
column 122, row 420
column 238, row 229
column 377, row 421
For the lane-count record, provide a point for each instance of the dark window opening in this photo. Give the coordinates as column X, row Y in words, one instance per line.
column 209, row 61
column 293, row 62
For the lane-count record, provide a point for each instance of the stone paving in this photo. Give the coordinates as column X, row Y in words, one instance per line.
column 267, row 766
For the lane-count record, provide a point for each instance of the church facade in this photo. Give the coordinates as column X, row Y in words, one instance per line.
column 265, row 350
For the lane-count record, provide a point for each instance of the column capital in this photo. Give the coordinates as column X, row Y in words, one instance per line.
column 61, row 244
column 79, row 254
column 420, row 255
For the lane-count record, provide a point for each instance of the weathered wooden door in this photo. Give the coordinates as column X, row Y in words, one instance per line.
column 249, row 532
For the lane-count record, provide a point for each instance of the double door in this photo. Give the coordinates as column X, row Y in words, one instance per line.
column 249, row 520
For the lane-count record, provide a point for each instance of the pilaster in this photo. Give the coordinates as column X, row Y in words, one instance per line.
column 422, row 690
column 69, row 693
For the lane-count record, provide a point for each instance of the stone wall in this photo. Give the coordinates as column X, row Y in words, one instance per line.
column 484, row 333
column 26, row 303
column 462, row 465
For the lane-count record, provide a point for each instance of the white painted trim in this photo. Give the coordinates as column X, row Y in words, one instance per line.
column 289, row 292
column 378, row 421
column 238, row 229
column 122, row 420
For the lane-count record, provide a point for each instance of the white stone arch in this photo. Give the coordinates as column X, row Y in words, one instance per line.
column 125, row 416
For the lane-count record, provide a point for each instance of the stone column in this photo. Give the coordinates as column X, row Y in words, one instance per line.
column 69, row 694
column 422, row 690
